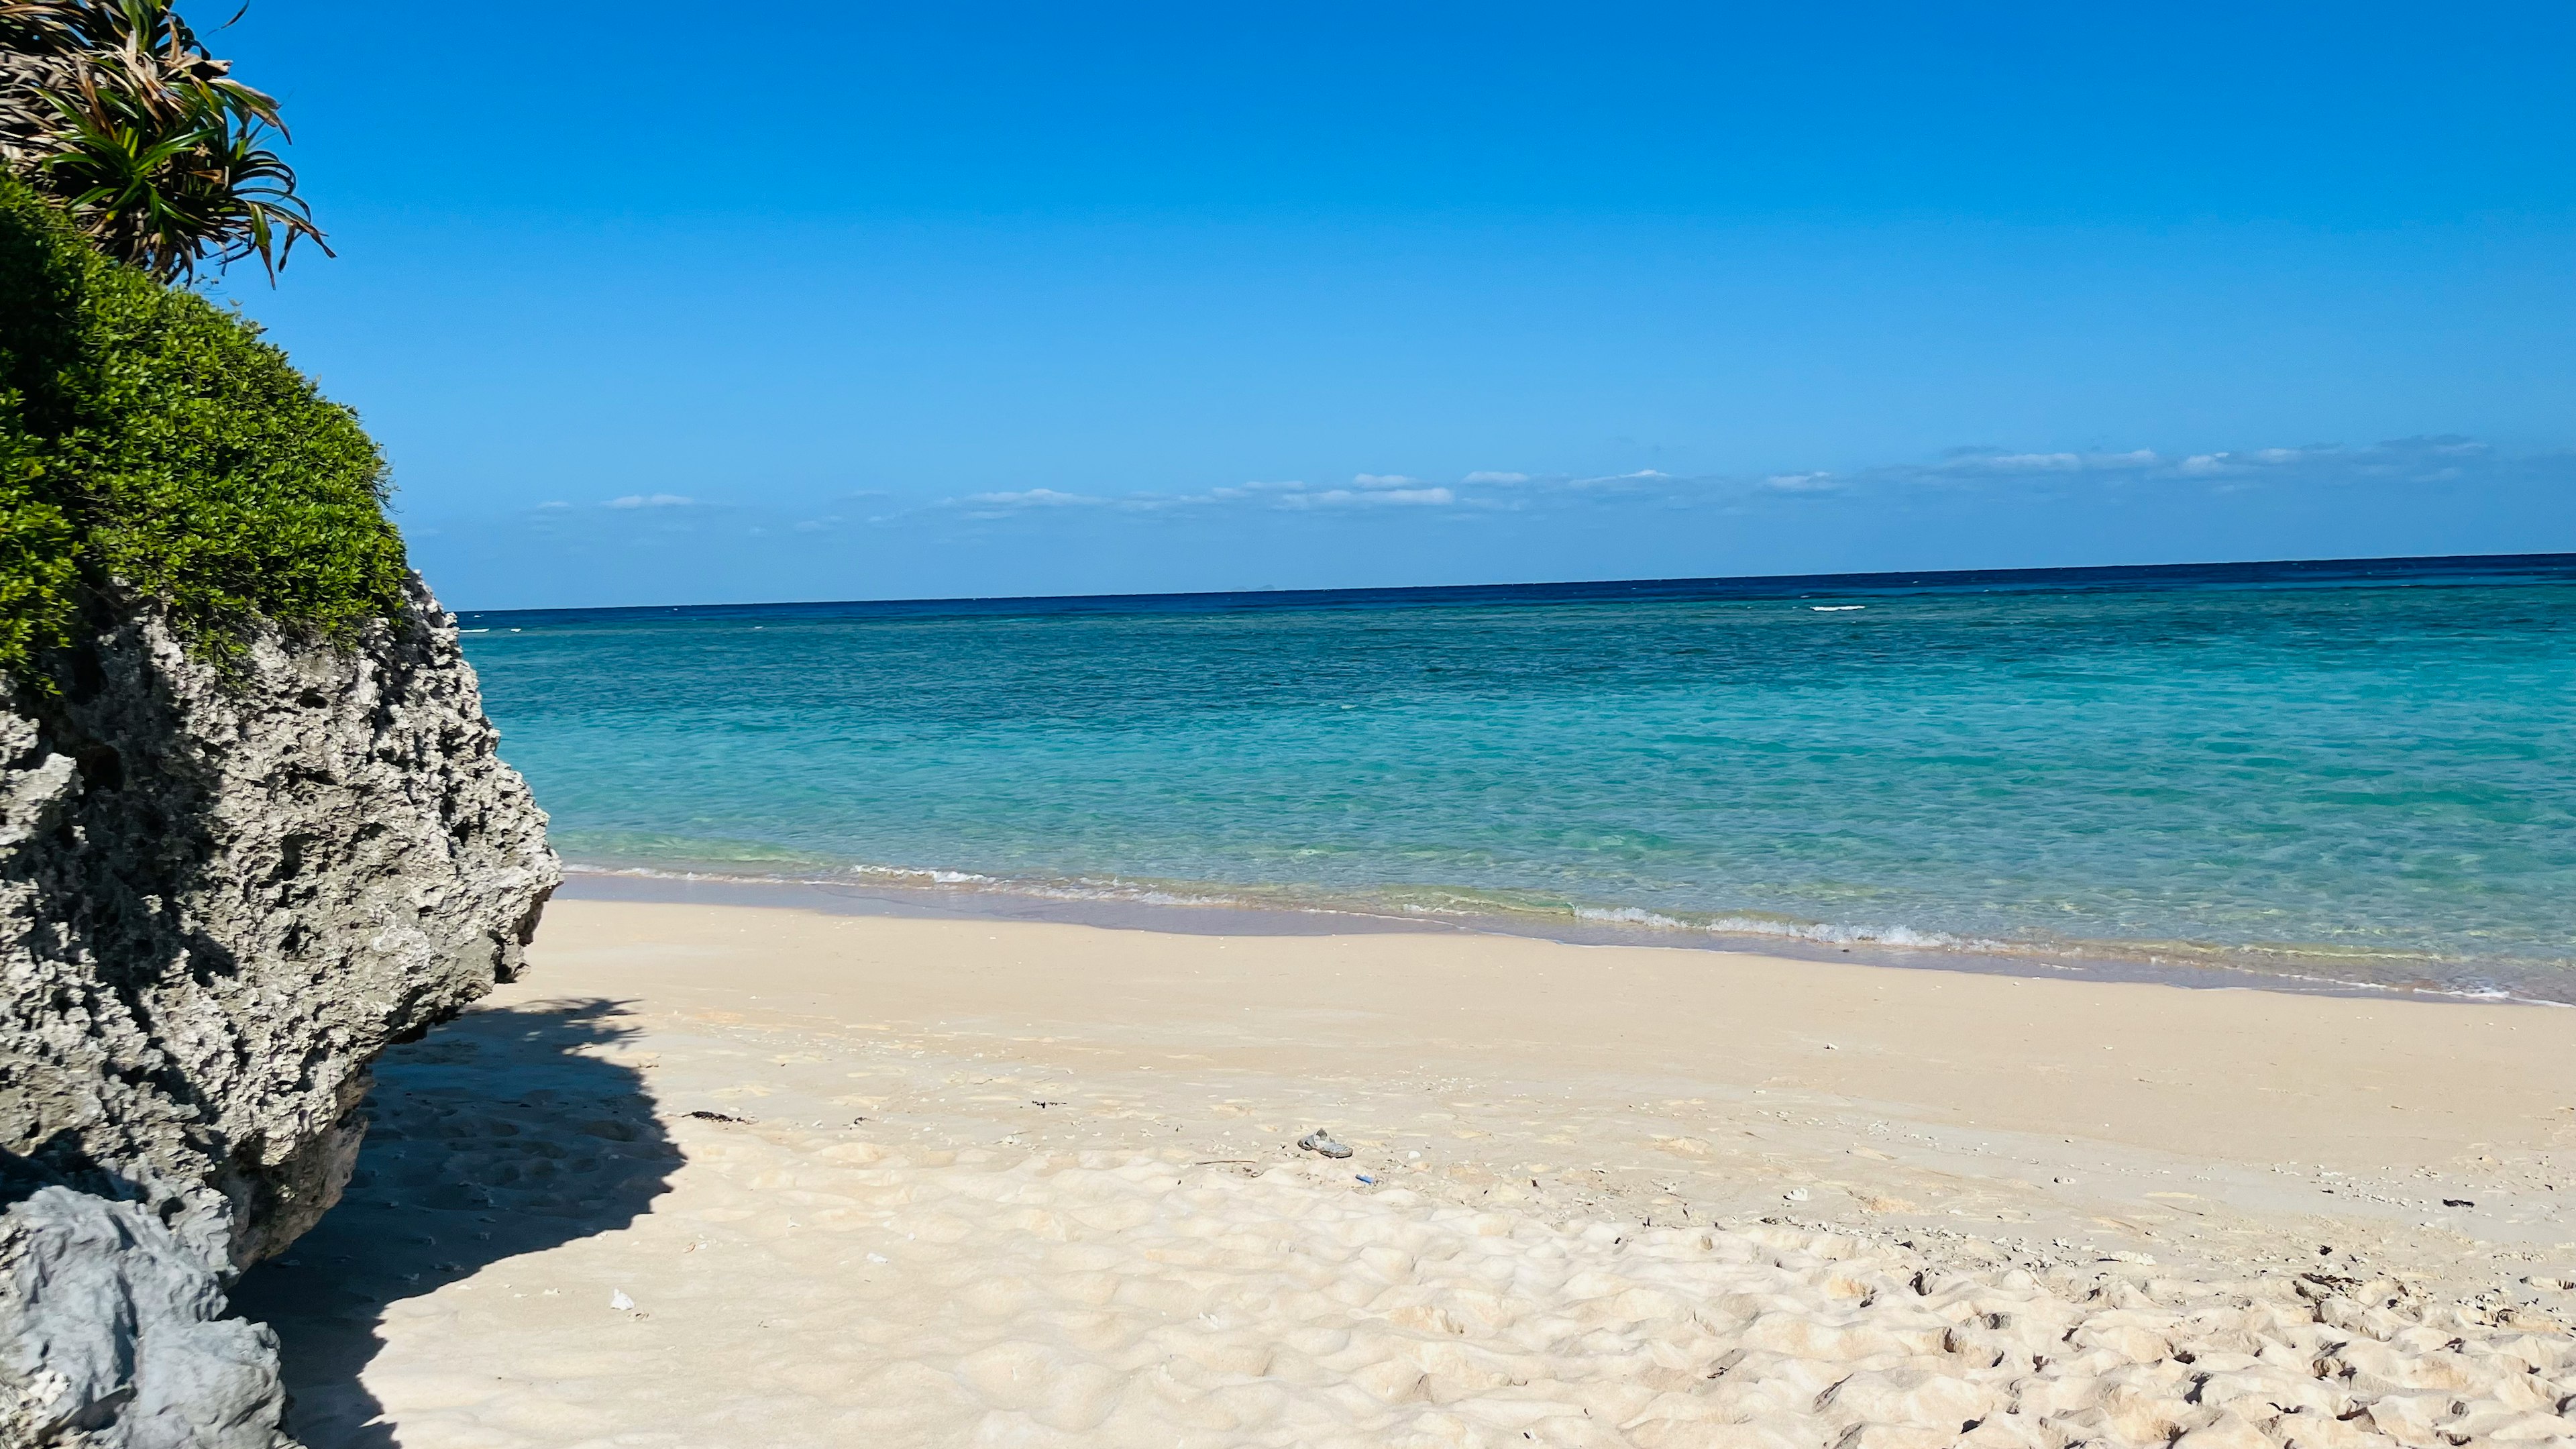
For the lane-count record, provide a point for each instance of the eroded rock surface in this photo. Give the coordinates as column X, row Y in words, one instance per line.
column 219, row 900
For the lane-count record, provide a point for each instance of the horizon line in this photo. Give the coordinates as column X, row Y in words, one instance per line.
column 1747, row 585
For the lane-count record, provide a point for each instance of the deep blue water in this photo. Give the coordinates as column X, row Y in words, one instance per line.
column 2362, row 772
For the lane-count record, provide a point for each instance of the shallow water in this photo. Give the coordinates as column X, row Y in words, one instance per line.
column 2360, row 776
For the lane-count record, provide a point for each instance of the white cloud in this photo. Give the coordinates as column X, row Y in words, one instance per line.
column 1244, row 490
column 553, row 503
column 2429, row 461
column 1366, row 490
column 1346, row 498
column 1035, row 498
column 2421, row 460
column 1985, row 462
column 1615, row 480
column 650, row 500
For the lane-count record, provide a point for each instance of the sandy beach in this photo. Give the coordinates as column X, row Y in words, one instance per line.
column 720, row 1175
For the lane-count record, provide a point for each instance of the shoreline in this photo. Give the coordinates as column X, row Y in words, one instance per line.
column 1149, row 908
column 719, row 1175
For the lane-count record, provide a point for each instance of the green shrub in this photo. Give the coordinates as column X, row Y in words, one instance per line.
column 152, row 446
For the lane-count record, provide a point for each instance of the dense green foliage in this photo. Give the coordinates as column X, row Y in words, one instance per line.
column 151, row 445
column 115, row 109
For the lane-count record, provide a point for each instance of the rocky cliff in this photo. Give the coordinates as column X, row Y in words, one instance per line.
column 222, row 894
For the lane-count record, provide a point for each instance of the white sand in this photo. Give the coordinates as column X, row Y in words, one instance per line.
column 1033, row 1184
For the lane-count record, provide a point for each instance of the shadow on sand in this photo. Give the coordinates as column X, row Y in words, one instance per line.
column 501, row 1133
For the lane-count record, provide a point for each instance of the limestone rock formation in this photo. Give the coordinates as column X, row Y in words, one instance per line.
column 221, row 896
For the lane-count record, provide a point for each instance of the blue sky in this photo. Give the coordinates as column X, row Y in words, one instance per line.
column 655, row 305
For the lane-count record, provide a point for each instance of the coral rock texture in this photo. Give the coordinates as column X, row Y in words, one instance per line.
column 222, row 893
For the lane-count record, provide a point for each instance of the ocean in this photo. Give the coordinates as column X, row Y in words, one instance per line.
column 2356, row 773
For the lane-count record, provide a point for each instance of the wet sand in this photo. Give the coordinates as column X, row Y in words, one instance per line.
column 718, row 1175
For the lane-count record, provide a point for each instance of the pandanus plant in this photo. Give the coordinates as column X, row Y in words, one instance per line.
column 116, row 110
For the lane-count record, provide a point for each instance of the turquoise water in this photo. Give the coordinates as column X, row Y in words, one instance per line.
column 2355, row 778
